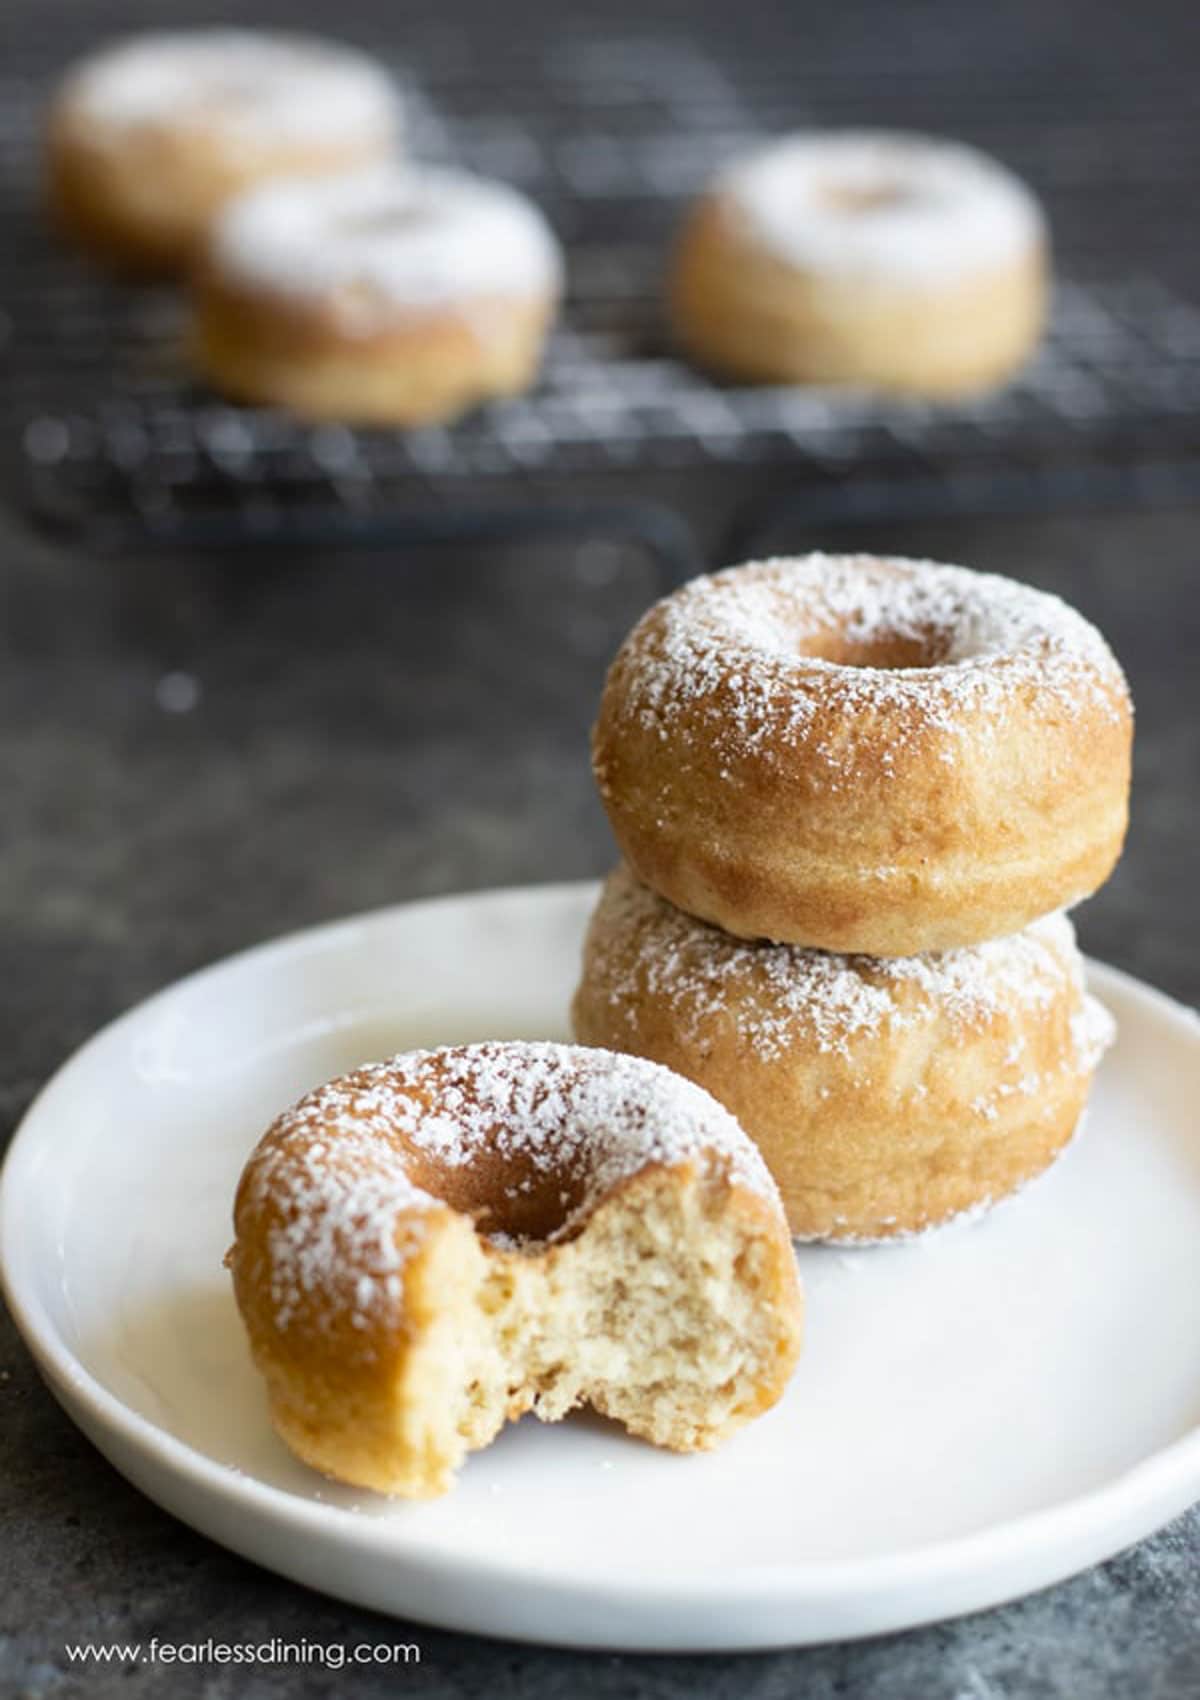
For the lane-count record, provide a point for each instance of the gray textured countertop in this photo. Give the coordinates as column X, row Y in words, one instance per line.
column 347, row 732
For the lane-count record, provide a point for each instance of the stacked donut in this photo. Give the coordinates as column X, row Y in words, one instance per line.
column 855, row 797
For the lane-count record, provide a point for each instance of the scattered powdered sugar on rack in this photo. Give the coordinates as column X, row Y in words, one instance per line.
column 387, row 239
column 332, row 1170
column 731, row 648
column 245, row 86
column 884, row 207
column 641, row 948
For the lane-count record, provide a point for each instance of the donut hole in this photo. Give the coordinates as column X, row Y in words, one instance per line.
column 230, row 94
column 508, row 1194
column 894, row 651
column 387, row 218
column 857, row 198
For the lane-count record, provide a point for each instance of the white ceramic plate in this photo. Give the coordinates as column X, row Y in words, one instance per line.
column 976, row 1415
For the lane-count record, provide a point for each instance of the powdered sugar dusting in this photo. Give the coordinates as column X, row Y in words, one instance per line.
column 333, row 1171
column 1094, row 1031
column 569, row 1109
column 247, row 86
column 388, row 238
column 780, row 995
column 345, row 1217
column 735, row 649
column 874, row 205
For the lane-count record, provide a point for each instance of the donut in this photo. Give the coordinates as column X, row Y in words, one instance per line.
column 150, row 136
column 390, row 296
column 894, row 261
column 433, row 1245
column 865, row 754
column 888, row 1096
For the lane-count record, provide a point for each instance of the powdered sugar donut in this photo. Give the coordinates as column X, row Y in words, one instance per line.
column 887, row 1096
column 862, row 754
column 863, row 257
column 392, row 295
column 149, row 137
column 435, row 1244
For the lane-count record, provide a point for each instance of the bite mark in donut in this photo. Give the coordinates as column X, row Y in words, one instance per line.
column 431, row 1246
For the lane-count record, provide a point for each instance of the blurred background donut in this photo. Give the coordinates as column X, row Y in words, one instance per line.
column 148, row 137
column 862, row 257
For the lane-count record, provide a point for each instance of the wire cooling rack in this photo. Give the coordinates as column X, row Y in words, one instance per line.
column 112, row 437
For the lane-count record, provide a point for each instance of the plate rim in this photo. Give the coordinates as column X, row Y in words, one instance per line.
column 1128, row 1505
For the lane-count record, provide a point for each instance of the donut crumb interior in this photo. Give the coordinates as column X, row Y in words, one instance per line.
column 660, row 1313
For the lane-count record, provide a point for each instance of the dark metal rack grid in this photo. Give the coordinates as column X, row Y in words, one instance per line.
column 611, row 137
